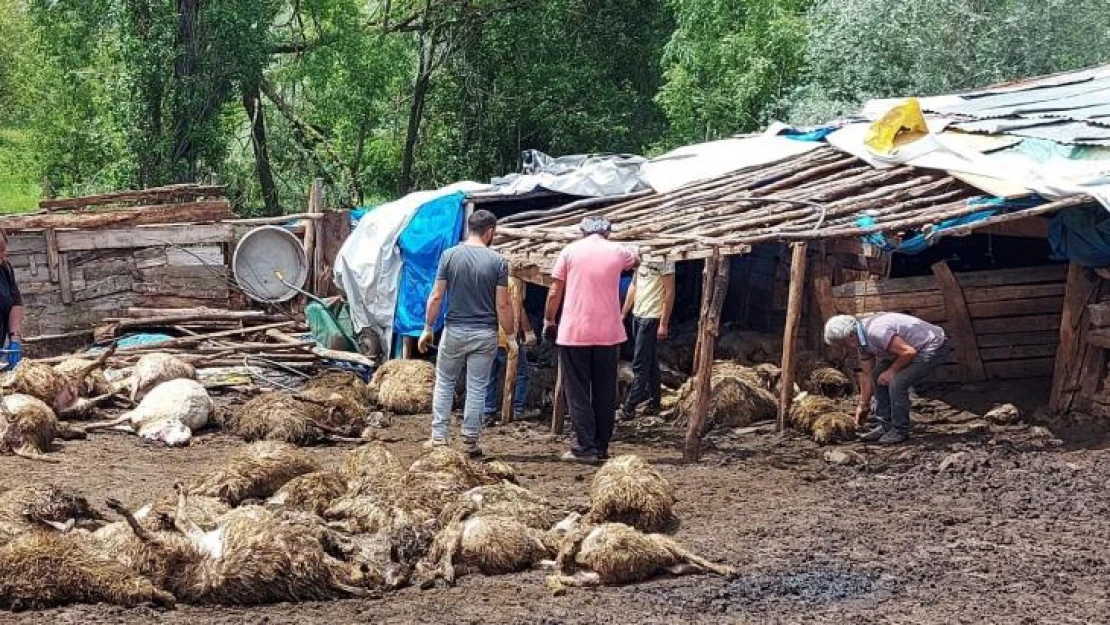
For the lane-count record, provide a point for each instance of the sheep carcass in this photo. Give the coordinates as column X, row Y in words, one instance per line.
column 42, row 569
column 252, row 557
column 152, row 370
column 255, row 472
column 28, row 427
column 505, row 500
column 312, row 492
column 614, row 553
column 28, row 506
column 629, row 490
column 168, row 414
column 486, row 544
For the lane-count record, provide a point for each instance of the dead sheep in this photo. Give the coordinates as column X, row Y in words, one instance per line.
column 254, row 472
column 169, row 414
column 614, row 553
column 345, row 383
column 404, row 386
column 750, row 348
column 95, row 384
column 371, row 459
column 454, row 462
column 821, row 418
column 43, row 569
column 153, row 369
column 279, row 417
column 736, row 398
column 42, row 382
column 503, row 500
column 252, row 557
column 629, row 490
column 1005, row 414
column 485, row 544
column 29, row 506
column 828, row 382
column 161, row 514
column 312, row 492
column 28, row 428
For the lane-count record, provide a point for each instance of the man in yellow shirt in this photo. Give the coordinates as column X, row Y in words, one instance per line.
column 520, row 390
column 650, row 299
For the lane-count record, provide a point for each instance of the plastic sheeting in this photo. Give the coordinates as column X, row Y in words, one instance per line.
column 436, row 226
column 1081, row 235
column 694, row 163
column 368, row 266
column 581, row 175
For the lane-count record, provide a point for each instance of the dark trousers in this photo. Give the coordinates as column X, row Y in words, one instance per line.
column 892, row 402
column 645, row 365
column 590, row 384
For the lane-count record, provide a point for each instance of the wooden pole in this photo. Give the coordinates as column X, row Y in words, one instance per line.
column 559, row 407
column 314, row 204
column 790, row 337
column 715, row 283
column 1070, row 355
column 512, row 358
column 959, row 323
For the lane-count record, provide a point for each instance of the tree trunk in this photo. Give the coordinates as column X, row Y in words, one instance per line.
column 183, row 69
column 416, row 113
column 252, row 102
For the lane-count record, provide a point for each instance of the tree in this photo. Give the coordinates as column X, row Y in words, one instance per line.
column 729, row 66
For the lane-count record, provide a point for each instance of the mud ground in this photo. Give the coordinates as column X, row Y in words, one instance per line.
column 968, row 523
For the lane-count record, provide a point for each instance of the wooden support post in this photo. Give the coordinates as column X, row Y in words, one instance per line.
column 1071, row 354
column 408, row 347
column 959, row 324
column 715, row 282
column 512, row 358
column 559, row 402
column 790, row 337
column 314, row 203
column 332, row 230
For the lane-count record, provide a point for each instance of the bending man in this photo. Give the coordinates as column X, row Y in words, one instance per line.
column 896, row 352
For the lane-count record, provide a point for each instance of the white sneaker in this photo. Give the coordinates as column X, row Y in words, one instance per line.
column 434, row 442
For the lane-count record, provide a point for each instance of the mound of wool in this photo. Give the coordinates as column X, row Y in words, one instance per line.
column 628, row 490
column 736, row 398
column 404, row 386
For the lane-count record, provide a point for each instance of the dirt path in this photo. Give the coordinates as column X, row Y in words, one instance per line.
column 1014, row 529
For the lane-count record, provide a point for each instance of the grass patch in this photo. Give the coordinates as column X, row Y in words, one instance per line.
column 20, row 190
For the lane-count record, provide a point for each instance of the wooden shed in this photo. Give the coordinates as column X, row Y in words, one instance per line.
column 1003, row 323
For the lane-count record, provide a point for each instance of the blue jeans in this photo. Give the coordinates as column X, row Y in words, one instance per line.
column 474, row 349
column 892, row 402
column 520, row 391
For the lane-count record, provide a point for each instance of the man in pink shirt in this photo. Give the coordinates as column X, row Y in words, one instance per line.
column 590, row 332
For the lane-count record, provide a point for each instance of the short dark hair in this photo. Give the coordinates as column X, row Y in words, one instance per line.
column 481, row 222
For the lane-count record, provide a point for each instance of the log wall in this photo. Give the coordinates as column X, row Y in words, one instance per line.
column 1011, row 327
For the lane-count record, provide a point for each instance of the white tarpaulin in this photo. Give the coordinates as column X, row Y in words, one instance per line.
column 1052, row 178
column 694, row 163
column 368, row 266
column 581, row 175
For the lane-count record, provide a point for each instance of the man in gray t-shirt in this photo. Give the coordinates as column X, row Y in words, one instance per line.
column 475, row 280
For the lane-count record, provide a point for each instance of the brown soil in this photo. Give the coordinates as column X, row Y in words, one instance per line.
column 965, row 524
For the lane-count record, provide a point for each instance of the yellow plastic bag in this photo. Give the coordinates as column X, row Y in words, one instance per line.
column 902, row 124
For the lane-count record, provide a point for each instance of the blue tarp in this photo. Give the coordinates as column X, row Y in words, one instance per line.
column 1081, row 235
column 814, row 134
column 921, row 242
column 436, row 226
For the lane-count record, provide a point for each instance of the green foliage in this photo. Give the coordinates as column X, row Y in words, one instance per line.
column 106, row 94
column 860, row 49
column 729, row 65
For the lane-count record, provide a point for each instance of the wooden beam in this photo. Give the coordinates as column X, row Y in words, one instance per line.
column 1032, row 228
column 162, row 194
column 716, row 281
column 182, row 234
column 959, row 323
column 207, row 211
column 52, row 255
column 314, row 204
column 64, row 279
column 798, row 261
column 332, row 231
column 1069, row 355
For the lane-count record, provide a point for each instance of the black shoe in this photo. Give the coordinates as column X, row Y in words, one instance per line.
column 873, row 434
column 893, row 437
column 489, row 419
column 626, row 415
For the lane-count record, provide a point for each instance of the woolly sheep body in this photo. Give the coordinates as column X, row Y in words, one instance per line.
column 154, row 369
column 312, row 492
column 255, row 472
column 168, row 414
column 629, row 490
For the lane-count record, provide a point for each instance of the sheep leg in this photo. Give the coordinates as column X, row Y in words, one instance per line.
column 582, row 579
column 60, row 527
column 183, row 522
column 689, row 558
column 105, row 425
column 564, row 562
column 30, row 453
column 140, row 532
